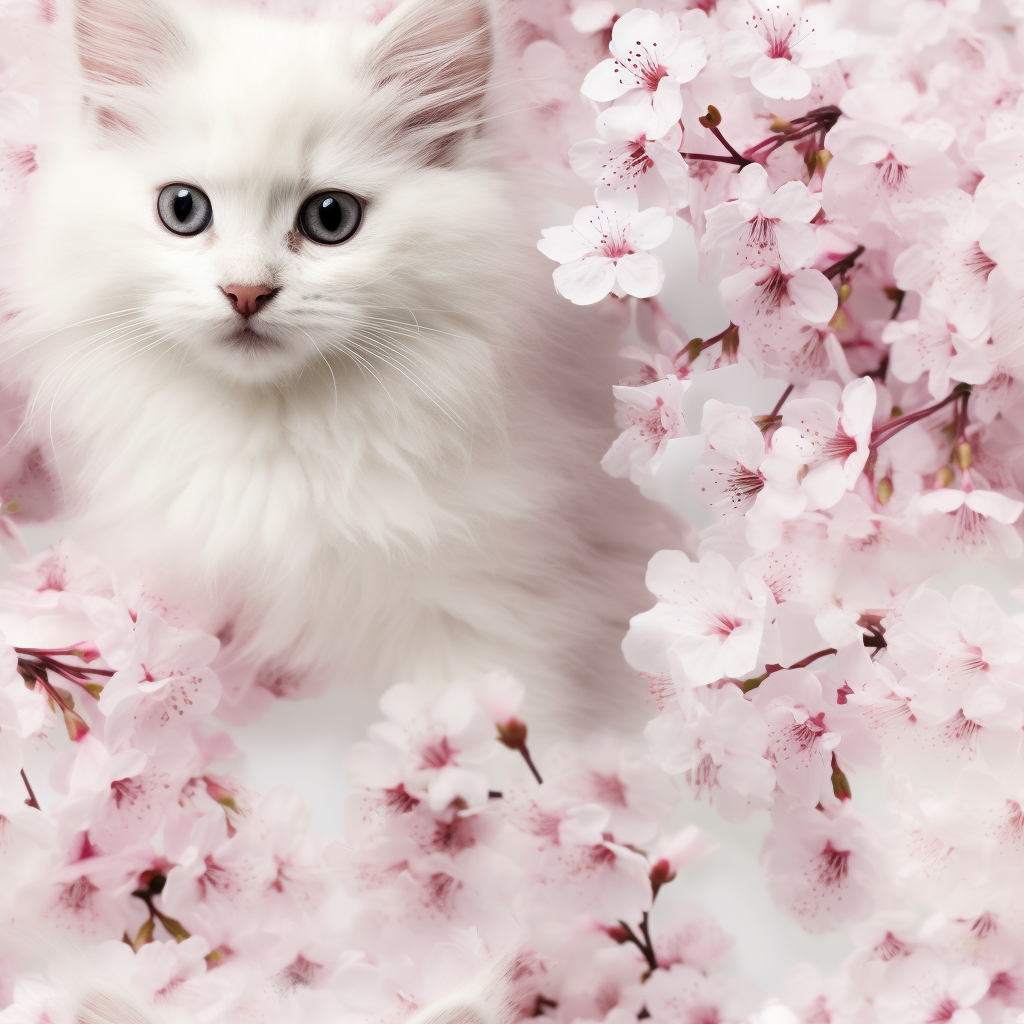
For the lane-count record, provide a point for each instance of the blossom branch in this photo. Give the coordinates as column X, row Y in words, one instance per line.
column 31, row 801
column 155, row 883
column 874, row 639
column 773, row 418
column 643, row 944
column 843, row 266
column 888, row 430
column 730, row 339
column 819, row 121
column 711, row 120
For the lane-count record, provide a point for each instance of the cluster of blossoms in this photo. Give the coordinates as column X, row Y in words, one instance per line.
column 855, row 197
column 855, row 193
column 192, row 890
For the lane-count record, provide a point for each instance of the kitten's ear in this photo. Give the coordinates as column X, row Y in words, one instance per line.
column 437, row 57
column 126, row 42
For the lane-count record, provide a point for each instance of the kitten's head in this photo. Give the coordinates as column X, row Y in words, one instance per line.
column 254, row 195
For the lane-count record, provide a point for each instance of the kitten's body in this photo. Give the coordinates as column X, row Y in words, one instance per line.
column 405, row 484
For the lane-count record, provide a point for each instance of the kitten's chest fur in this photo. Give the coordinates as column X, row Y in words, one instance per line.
column 374, row 534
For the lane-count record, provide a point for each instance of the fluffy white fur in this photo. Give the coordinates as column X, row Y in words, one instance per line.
column 405, row 483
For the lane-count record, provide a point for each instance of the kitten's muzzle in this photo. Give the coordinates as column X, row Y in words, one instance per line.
column 247, row 299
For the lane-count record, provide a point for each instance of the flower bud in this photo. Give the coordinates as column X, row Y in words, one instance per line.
column 76, row 725
column 731, row 342
column 844, row 293
column 779, row 124
column 513, row 734
column 884, row 491
column 694, row 348
column 944, row 477
column 964, row 456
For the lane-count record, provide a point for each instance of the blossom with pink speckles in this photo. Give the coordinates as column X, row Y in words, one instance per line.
column 651, row 58
column 605, row 250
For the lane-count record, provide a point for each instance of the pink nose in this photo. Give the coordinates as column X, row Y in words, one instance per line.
column 248, row 298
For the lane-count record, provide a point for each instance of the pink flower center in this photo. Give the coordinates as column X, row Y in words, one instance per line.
column 978, row 263
column 704, row 774
column 761, row 235
column 743, row 487
column 944, row 1011
column 891, row 174
column 839, row 446
column 805, row 734
column 437, row 755
column 608, row 789
column 891, row 947
column 835, row 865
column 642, row 63
column 773, row 289
column 723, row 625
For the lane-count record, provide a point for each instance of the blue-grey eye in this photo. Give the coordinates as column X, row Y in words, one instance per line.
column 330, row 217
column 184, row 209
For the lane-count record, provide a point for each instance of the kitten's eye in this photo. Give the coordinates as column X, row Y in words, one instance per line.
column 184, row 209
column 330, row 217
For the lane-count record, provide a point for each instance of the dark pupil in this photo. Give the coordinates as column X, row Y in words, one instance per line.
column 330, row 214
column 183, row 205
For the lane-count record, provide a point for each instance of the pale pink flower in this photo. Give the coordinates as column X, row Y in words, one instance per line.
column 651, row 416
column 719, row 743
column 651, row 56
column 780, row 42
column 760, row 227
column 924, row 345
column 432, row 746
column 825, row 870
column 832, row 445
column 707, row 624
column 631, row 155
column 605, row 250
column 807, row 727
column 972, row 518
column 578, row 868
column 885, row 156
column 962, row 653
column 776, row 309
column 729, row 476
column 684, row 995
column 637, row 796
column 921, row 988
column 162, row 672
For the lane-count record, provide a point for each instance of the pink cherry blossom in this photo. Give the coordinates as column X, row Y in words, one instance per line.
column 779, row 43
column 630, row 155
column 776, row 309
column 719, row 742
column 707, row 624
column 958, row 654
column 761, row 227
column 807, row 729
column 650, row 56
column 823, row 869
column 651, row 416
column 605, row 250
column 832, row 445
column 974, row 518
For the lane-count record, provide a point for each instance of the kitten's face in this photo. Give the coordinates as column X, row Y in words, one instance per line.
column 262, row 119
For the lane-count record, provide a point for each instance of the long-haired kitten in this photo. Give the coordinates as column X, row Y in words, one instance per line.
column 282, row 325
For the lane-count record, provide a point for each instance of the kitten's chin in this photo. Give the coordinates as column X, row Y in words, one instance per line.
column 248, row 356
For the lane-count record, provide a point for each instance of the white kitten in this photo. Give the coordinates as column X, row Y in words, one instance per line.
column 283, row 322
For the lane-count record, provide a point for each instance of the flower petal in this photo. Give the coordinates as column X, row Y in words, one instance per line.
column 586, row 280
